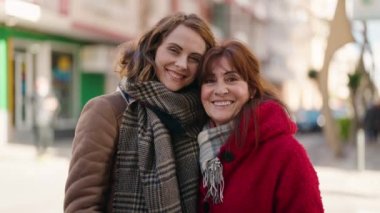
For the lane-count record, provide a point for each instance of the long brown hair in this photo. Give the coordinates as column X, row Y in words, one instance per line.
column 138, row 61
column 248, row 67
column 124, row 54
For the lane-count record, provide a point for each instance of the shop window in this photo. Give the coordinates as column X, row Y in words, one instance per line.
column 62, row 80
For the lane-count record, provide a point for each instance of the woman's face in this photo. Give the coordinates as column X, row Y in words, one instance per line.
column 223, row 92
column 178, row 57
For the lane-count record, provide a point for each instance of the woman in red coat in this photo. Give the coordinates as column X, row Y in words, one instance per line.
column 249, row 158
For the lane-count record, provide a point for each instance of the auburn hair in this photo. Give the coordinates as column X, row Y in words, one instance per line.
column 246, row 64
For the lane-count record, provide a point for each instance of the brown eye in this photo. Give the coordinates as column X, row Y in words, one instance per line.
column 231, row 79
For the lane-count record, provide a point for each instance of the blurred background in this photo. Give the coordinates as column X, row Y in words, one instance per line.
column 322, row 56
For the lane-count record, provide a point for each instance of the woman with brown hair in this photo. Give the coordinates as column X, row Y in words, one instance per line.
column 250, row 160
column 135, row 150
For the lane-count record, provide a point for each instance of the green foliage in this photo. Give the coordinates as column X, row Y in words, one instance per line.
column 313, row 74
column 344, row 125
column 354, row 80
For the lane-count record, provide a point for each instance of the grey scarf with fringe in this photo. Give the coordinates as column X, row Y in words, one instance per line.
column 157, row 153
column 210, row 140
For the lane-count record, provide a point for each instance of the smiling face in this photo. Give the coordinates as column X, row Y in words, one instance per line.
column 223, row 92
column 178, row 57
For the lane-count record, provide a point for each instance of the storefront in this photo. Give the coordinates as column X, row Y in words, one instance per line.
column 67, row 43
column 29, row 57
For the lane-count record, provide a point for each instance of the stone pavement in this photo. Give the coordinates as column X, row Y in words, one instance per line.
column 36, row 185
column 344, row 188
column 32, row 184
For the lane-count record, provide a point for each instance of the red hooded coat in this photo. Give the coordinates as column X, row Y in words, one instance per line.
column 277, row 176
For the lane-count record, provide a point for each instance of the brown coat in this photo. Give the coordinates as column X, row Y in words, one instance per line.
column 90, row 179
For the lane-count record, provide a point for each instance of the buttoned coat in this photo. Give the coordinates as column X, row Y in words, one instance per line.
column 272, row 175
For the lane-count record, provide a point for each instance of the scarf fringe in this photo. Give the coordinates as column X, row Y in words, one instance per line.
column 213, row 180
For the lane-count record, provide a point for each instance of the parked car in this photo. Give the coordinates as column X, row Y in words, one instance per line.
column 313, row 120
column 308, row 120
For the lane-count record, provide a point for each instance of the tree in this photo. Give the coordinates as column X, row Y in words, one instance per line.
column 340, row 34
column 362, row 88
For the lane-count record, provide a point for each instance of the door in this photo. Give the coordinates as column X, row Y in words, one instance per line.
column 24, row 76
column 54, row 62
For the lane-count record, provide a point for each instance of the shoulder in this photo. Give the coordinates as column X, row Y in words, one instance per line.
column 271, row 120
column 270, row 107
column 102, row 110
column 289, row 152
column 290, row 145
column 271, row 113
column 110, row 103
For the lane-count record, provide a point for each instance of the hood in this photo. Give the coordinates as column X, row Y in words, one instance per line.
column 272, row 120
column 273, row 123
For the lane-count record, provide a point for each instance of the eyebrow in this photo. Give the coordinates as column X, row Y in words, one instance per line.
column 178, row 46
column 230, row 72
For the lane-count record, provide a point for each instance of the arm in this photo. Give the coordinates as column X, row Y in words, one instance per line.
column 88, row 180
column 298, row 186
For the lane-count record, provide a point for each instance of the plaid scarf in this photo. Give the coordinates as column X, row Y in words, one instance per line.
column 210, row 141
column 157, row 157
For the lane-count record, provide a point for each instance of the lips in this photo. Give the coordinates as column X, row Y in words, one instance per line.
column 175, row 75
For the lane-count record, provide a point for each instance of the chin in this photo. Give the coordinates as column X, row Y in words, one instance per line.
column 223, row 121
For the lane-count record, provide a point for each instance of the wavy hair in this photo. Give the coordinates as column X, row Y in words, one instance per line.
column 138, row 62
column 248, row 67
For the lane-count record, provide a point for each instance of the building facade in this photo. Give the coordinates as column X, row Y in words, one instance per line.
column 71, row 45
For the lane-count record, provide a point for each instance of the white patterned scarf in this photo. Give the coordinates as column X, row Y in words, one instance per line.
column 210, row 140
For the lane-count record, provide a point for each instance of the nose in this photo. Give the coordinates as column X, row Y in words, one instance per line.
column 221, row 89
column 181, row 62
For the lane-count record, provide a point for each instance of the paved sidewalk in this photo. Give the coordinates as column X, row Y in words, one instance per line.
column 344, row 188
column 346, row 191
column 30, row 184
column 36, row 185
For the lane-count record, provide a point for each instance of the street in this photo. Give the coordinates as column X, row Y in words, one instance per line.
column 36, row 185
